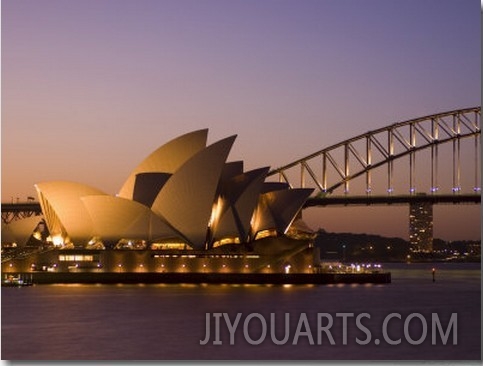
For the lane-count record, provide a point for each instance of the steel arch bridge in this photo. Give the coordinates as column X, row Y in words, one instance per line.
column 339, row 164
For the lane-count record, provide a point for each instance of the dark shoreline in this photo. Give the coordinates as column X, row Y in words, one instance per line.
column 209, row 278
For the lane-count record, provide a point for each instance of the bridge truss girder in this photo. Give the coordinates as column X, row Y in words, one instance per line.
column 362, row 154
column 19, row 210
column 9, row 216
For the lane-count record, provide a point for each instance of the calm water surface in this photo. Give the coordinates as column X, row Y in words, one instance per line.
column 167, row 322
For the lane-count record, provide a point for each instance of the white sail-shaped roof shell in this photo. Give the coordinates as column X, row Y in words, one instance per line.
column 186, row 200
column 274, row 186
column 277, row 209
column 116, row 218
column 64, row 212
column 230, row 170
column 167, row 159
column 147, row 187
column 242, row 194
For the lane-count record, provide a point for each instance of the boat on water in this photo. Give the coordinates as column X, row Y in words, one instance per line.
column 16, row 281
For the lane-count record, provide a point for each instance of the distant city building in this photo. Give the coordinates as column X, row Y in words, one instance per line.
column 421, row 226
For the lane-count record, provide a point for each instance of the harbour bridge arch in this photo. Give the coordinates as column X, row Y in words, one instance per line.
column 339, row 164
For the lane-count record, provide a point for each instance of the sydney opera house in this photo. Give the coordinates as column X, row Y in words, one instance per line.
column 184, row 208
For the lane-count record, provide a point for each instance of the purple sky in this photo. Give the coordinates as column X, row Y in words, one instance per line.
column 91, row 87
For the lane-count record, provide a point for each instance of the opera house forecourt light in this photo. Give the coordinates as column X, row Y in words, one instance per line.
column 183, row 195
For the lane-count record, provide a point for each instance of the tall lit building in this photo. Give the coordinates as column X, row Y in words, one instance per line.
column 421, row 226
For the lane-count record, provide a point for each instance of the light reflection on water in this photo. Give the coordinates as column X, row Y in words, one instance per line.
column 167, row 322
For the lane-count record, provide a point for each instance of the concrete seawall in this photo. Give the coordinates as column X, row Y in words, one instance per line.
column 213, row 278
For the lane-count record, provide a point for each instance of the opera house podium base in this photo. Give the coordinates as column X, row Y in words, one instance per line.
column 208, row 278
column 279, row 260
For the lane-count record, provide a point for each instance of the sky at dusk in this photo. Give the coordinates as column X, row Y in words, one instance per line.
column 91, row 87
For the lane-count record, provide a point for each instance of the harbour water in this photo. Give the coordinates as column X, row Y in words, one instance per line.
column 167, row 322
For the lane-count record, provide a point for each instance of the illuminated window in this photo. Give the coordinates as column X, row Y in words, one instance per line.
column 76, row 258
column 265, row 233
column 168, row 246
column 233, row 240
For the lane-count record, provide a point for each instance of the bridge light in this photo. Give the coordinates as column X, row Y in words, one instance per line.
column 477, row 189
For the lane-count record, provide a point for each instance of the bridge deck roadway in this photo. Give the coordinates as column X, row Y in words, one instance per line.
column 323, row 201
column 393, row 200
column 21, row 207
